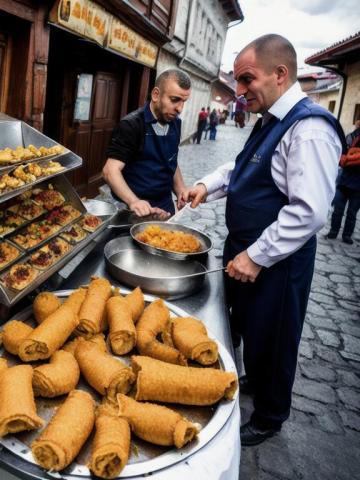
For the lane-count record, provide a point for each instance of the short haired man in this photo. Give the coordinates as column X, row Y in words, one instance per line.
column 142, row 168
column 278, row 195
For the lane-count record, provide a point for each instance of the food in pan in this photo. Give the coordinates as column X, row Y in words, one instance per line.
column 155, row 423
column 74, row 234
column 75, row 300
column 98, row 340
column 63, row 215
column 122, row 332
column 189, row 335
column 49, row 336
column 111, row 445
column 90, row 222
column 9, row 221
column 35, row 233
column 14, row 333
column 49, row 198
column 8, row 253
column 27, row 209
column 17, row 404
column 45, row 304
column 58, row 377
column 51, row 167
column 164, row 382
column 152, row 323
column 26, row 174
column 8, row 183
column 20, row 276
column 9, row 156
column 43, row 258
column 59, row 247
column 60, row 442
column 136, row 303
column 174, row 241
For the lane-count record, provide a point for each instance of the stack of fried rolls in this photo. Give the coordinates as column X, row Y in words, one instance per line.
column 189, row 335
column 3, row 365
column 122, row 332
column 102, row 371
column 76, row 299
column 98, row 340
column 92, row 318
column 136, row 303
column 155, row 423
column 154, row 321
column 164, row 382
column 49, row 336
column 14, row 334
column 17, row 404
column 111, row 445
column 66, row 433
column 58, row 377
column 45, row 304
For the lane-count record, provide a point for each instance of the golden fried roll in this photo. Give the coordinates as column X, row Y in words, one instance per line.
column 102, row 371
column 14, row 334
column 121, row 326
column 153, row 322
column 136, row 302
column 98, row 340
column 111, row 445
column 155, row 423
column 190, row 337
column 3, row 365
column 17, row 404
column 58, row 377
column 60, row 442
column 164, row 382
column 92, row 312
column 49, row 336
column 45, row 304
column 75, row 300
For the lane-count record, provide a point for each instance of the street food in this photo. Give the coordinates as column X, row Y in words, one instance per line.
column 63, row 215
column 50, row 167
column 49, row 336
column 48, row 198
column 10, row 221
column 111, row 445
column 74, row 234
column 17, row 404
column 121, row 326
column 60, row 442
column 8, row 253
column 136, row 302
column 164, row 382
column 59, row 247
column 43, row 258
column 3, row 365
column 45, row 304
column 9, row 156
column 98, row 340
column 27, row 209
column 155, row 423
column 35, row 233
column 102, row 371
column 92, row 315
column 20, row 276
column 58, row 377
column 174, row 241
column 75, row 300
column 189, row 335
column 154, row 320
column 90, row 222
column 14, row 333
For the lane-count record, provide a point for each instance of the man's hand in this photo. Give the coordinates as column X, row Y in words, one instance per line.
column 180, row 201
column 195, row 195
column 243, row 268
column 142, row 208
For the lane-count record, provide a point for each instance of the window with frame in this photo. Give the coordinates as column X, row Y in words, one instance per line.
column 331, row 106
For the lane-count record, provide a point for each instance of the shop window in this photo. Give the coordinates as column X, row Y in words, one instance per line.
column 356, row 113
column 83, row 97
column 331, row 107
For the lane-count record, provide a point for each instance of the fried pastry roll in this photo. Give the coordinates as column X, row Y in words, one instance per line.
column 190, row 337
column 136, row 302
column 102, row 371
column 155, row 423
column 98, row 340
column 164, row 382
column 45, row 304
column 60, row 442
column 14, row 333
column 121, row 326
column 111, row 445
column 17, row 404
column 92, row 312
column 75, row 300
column 154, row 321
column 49, row 336
column 3, row 365
column 58, row 377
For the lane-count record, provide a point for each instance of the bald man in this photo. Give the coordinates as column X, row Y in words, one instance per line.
column 278, row 195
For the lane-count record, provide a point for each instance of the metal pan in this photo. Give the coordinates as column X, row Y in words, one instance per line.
column 205, row 241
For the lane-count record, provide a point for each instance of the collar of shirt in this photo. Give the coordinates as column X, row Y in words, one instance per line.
column 148, row 115
column 285, row 103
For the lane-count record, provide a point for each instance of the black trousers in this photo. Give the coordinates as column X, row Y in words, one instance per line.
column 343, row 196
column 268, row 316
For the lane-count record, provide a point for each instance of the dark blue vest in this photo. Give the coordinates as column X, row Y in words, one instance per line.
column 253, row 199
column 151, row 175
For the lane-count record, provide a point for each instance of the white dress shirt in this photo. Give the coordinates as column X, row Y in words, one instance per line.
column 304, row 167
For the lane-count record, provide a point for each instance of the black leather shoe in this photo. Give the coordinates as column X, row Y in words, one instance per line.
column 331, row 235
column 251, row 434
column 245, row 386
column 348, row 240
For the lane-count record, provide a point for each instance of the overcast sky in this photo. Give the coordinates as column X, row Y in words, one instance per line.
column 310, row 25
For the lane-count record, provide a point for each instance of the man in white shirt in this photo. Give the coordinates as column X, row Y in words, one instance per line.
column 279, row 192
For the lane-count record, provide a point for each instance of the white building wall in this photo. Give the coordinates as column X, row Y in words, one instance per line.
column 352, row 97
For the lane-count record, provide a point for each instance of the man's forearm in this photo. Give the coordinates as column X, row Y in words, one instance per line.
column 114, row 178
column 178, row 182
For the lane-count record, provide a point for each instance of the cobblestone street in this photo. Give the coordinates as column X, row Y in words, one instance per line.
column 321, row 439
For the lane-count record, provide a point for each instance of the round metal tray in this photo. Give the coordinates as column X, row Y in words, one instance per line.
column 145, row 458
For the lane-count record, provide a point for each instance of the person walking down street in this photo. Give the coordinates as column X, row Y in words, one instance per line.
column 214, row 121
column 141, row 168
column 202, row 120
column 347, row 189
column 279, row 192
column 240, row 110
column 207, row 127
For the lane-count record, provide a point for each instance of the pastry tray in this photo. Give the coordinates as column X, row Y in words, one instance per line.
column 145, row 457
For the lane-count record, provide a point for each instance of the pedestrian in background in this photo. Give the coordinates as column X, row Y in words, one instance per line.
column 201, row 125
column 214, row 121
column 240, row 110
column 207, row 128
column 347, row 189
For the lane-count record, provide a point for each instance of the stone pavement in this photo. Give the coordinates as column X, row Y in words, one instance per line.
column 321, row 439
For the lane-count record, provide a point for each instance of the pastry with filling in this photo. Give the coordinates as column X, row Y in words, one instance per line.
column 98, row 340
column 8, row 253
column 14, row 333
column 76, row 299
column 3, row 365
column 59, row 247
column 20, row 276
column 27, row 209
column 10, row 221
column 45, row 304
column 90, row 222
column 49, row 198
column 136, row 302
column 63, row 215
column 74, row 234
column 43, row 258
column 121, row 326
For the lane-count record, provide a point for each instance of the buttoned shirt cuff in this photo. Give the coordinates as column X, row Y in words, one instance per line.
column 214, row 189
column 259, row 257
